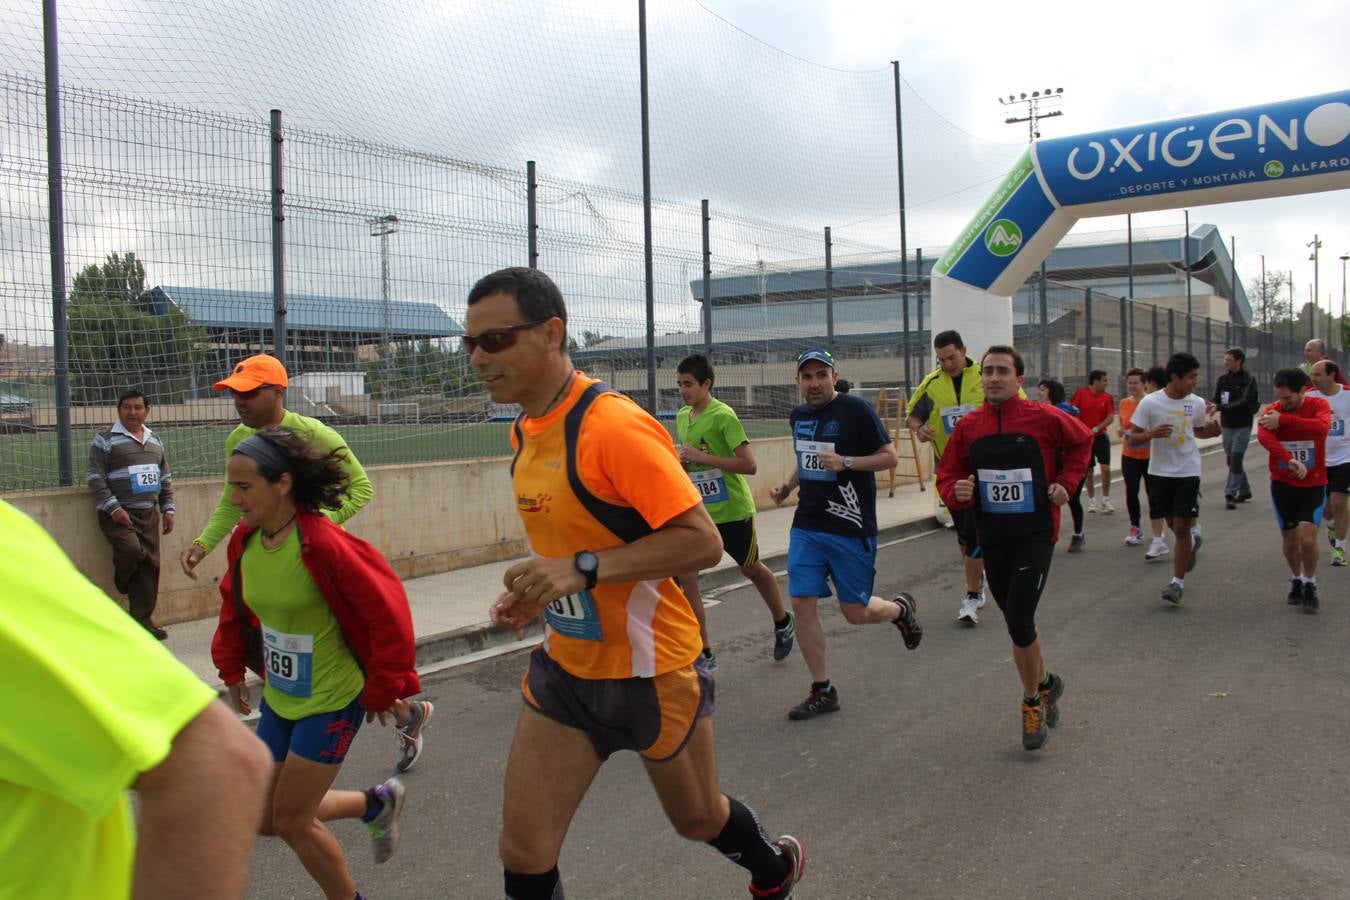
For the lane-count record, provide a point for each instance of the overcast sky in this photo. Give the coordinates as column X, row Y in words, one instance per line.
column 1118, row 64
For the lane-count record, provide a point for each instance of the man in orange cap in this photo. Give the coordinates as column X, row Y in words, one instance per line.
column 258, row 385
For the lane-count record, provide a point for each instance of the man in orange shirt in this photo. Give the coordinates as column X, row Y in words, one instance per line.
column 611, row 516
column 1096, row 410
column 1134, row 460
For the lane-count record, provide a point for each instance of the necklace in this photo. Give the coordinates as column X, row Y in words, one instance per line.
column 272, row 534
column 566, row 384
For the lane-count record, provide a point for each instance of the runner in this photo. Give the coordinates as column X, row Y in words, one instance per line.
column 1134, row 461
column 1020, row 486
column 1314, row 352
column 336, row 642
column 717, row 455
column 99, row 708
column 946, row 394
column 1294, row 430
column 1235, row 398
column 258, row 385
column 1155, row 379
column 840, row 443
column 1324, row 374
column 1050, row 391
column 1096, row 410
column 1169, row 422
column 610, row 520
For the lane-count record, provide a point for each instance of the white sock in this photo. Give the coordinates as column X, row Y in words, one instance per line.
column 1310, row 579
column 1340, row 542
column 1179, row 582
column 1195, row 531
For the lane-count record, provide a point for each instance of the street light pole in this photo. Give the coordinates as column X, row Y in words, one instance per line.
column 1051, row 98
column 1316, row 246
column 382, row 228
column 1344, row 258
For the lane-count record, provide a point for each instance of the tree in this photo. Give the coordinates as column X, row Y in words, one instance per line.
column 120, row 337
column 1272, row 303
column 419, row 368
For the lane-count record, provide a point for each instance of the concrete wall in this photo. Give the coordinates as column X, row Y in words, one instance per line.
column 426, row 518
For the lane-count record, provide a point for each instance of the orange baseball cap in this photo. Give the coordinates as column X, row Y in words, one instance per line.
column 255, row 372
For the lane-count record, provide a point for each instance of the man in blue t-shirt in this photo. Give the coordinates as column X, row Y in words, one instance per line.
column 839, row 443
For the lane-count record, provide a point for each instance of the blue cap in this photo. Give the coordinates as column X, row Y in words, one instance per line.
column 819, row 354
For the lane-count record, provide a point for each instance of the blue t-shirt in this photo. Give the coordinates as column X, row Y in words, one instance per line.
column 843, row 503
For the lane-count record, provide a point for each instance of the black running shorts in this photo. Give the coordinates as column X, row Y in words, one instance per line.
column 738, row 539
column 1338, row 479
column 1173, row 498
column 1295, row 506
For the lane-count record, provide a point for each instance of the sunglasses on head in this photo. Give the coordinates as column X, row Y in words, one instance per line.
column 495, row 340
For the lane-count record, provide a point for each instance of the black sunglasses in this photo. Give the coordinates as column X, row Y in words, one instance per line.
column 495, row 340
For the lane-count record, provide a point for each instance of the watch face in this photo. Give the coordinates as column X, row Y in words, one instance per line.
column 587, row 561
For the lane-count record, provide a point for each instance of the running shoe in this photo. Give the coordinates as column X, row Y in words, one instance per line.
column 795, row 857
column 1337, row 556
column 1244, row 496
column 1091, row 504
column 1310, row 603
column 783, row 638
column 1229, row 502
column 908, row 620
column 815, row 704
column 1135, row 537
column 1050, row 699
column 1196, row 543
column 384, row 827
column 1331, row 534
column 1108, row 508
column 1034, row 732
column 1157, row 550
column 1172, row 593
column 970, row 607
column 1077, row 543
column 1295, row 597
column 410, row 734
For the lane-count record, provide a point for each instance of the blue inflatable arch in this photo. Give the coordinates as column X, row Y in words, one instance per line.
column 1293, row 147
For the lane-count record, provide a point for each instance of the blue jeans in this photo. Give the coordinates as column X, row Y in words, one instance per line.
column 1235, row 442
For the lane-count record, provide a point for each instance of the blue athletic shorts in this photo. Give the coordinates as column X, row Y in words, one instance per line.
column 849, row 562
column 322, row 738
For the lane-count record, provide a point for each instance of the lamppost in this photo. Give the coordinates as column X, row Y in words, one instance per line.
column 1034, row 112
column 1345, row 257
column 1316, row 246
column 382, row 228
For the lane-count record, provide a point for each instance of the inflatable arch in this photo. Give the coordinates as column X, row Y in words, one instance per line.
column 1293, row 147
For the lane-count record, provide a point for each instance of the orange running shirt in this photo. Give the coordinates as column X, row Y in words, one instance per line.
column 622, row 469
column 1127, row 405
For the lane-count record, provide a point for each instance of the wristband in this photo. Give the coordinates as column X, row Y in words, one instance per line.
column 198, row 542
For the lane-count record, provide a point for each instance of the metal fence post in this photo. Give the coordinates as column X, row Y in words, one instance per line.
column 1124, row 340
column 707, row 285
column 1087, row 331
column 1154, row 360
column 829, row 291
column 531, row 214
column 1209, row 348
column 1172, row 332
column 56, row 231
column 278, row 240
column 1045, row 327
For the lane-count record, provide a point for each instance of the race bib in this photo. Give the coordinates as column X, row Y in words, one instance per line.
column 711, row 484
column 1302, row 451
column 574, row 616
column 809, row 467
column 1337, row 428
column 144, row 478
column 1223, row 398
column 289, row 659
column 1004, row 491
column 952, row 414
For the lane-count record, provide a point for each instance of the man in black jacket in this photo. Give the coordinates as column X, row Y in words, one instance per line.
column 1235, row 398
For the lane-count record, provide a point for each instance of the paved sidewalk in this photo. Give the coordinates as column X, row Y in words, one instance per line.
column 450, row 609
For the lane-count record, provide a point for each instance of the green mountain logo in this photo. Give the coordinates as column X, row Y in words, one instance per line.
column 1003, row 237
column 1274, row 169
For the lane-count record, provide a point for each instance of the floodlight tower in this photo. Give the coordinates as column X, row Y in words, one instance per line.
column 1040, row 105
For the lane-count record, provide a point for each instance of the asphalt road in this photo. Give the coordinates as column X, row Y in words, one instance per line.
column 1201, row 750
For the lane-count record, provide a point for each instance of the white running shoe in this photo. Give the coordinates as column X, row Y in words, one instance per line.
column 1157, row 550
column 1107, row 507
column 1092, row 504
column 969, row 609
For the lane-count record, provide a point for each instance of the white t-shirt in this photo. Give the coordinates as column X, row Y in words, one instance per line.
column 1338, row 440
column 1177, row 456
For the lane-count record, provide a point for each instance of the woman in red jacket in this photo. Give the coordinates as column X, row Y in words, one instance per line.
column 336, row 639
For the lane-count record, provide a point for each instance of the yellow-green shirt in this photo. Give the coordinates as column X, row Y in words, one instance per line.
column 90, row 701
column 317, row 435
column 310, row 668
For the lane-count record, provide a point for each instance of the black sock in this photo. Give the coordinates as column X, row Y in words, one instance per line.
column 783, row 622
column 544, row 886
column 1032, row 701
column 820, row 687
column 374, row 804
column 707, row 653
column 743, row 842
column 1048, row 683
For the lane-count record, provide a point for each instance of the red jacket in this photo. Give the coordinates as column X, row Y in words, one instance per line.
column 1014, row 436
column 366, row 598
column 1306, row 425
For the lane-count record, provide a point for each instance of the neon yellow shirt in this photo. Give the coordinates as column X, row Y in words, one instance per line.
column 91, row 700
column 310, row 668
column 322, row 438
column 717, row 432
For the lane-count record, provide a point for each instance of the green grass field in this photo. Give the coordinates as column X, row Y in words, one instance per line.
column 29, row 461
